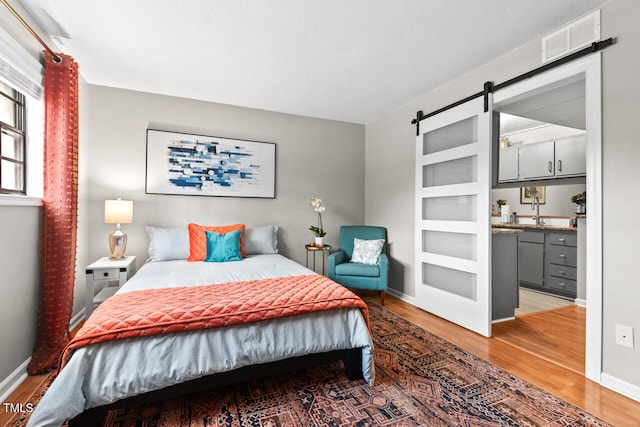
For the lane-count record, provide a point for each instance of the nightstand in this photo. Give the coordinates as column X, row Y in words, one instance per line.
column 324, row 250
column 106, row 272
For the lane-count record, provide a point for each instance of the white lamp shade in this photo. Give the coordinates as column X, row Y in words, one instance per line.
column 118, row 211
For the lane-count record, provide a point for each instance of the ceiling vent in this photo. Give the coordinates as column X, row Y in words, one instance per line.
column 572, row 37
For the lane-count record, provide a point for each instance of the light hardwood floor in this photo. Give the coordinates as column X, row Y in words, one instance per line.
column 556, row 335
column 532, row 301
column 564, row 383
column 549, row 327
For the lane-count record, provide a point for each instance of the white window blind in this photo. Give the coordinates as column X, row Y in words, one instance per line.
column 18, row 68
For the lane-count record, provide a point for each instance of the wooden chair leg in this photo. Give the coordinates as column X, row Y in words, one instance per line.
column 381, row 297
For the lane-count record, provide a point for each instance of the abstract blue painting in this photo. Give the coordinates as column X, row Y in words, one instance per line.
column 179, row 163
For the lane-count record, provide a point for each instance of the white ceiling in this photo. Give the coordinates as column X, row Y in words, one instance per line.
column 348, row 60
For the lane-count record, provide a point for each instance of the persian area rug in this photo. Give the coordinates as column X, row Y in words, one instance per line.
column 421, row 380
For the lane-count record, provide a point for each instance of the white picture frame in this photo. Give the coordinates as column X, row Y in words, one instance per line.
column 200, row 165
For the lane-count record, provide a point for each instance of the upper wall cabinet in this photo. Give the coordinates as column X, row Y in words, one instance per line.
column 536, row 160
column 508, row 168
column 571, row 156
column 561, row 158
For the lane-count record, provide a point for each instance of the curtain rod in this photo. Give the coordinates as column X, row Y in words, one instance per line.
column 55, row 56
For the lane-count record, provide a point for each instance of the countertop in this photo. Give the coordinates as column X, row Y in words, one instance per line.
column 501, row 225
column 496, row 229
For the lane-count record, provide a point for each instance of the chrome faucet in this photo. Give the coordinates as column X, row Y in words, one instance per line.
column 535, row 205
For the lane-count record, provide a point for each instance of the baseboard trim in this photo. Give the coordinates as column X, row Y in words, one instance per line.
column 504, row 319
column 76, row 320
column 581, row 302
column 17, row 377
column 619, row 386
column 404, row 297
column 13, row 381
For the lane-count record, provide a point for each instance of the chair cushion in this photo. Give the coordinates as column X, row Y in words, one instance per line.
column 357, row 269
column 366, row 251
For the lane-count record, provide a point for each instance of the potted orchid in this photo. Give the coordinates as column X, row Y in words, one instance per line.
column 318, row 230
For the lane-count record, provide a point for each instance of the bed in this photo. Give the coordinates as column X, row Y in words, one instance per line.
column 113, row 371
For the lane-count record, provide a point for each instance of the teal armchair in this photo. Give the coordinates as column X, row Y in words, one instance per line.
column 355, row 275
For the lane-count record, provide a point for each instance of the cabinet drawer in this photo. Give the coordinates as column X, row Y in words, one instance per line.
column 565, row 285
column 562, row 255
column 562, row 271
column 562, row 239
column 106, row 274
column 531, row 236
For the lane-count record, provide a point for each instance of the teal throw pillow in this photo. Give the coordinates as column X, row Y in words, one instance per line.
column 223, row 247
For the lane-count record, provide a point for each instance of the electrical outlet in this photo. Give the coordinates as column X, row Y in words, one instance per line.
column 624, row 335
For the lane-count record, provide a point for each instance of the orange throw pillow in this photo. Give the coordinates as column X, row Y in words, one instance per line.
column 198, row 239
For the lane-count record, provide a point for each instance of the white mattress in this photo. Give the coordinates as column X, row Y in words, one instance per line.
column 183, row 273
column 103, row 373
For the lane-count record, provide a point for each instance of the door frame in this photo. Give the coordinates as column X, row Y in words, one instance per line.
column 589, row 68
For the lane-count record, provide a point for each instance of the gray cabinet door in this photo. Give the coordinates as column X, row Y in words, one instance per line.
column 508, row 164
column 504, row 275
column 571, row 156
column 531, row 263
column 537, row 160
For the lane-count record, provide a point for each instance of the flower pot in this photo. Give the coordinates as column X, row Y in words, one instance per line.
column 319, row 241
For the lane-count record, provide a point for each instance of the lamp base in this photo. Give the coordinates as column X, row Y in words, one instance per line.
column 117, row 243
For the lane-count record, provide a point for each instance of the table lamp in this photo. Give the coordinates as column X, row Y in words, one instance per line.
column 118, row 212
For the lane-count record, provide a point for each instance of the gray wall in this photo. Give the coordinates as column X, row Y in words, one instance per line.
column 314, row 158
column 620, row 153
column 19, row 280
column 82, row 257
column 390, row 195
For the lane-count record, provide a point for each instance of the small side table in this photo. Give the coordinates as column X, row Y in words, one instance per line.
column 105, row 271
column 324, row 251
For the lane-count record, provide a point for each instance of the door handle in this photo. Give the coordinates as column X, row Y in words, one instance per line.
column 550, row 166
column 559, row 165
column 562, row 239
column 563, row 256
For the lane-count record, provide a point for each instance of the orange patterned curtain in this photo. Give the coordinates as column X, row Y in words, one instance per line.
column 60, row 212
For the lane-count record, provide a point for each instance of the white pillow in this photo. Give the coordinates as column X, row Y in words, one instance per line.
column 366, row 251
column 166, row 244
column 261, row 240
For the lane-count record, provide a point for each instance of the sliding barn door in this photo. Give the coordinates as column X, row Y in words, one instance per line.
column 453, row 203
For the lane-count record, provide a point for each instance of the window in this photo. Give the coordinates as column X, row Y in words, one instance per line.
column 12, row 141
column 21, row 125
